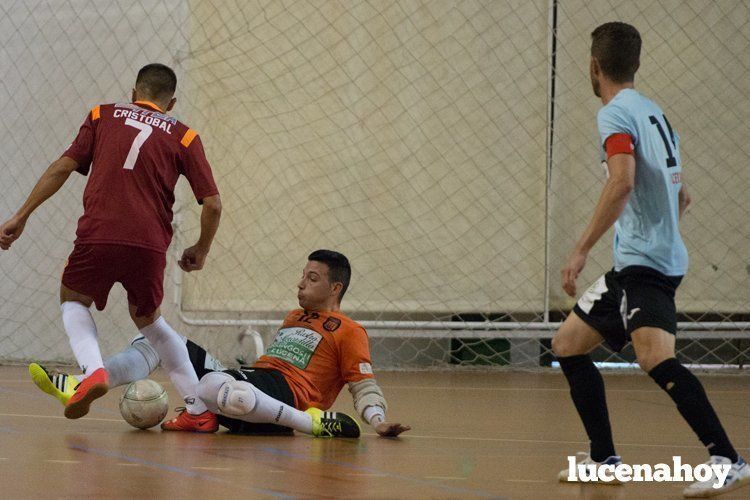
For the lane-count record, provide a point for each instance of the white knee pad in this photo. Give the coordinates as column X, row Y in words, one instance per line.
column 208, row 388
column 236, row 398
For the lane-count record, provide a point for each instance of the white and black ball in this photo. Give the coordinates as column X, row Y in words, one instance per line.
column 144, row 404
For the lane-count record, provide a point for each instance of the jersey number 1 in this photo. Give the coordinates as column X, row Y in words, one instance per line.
column 135, row 148
column 671, row 160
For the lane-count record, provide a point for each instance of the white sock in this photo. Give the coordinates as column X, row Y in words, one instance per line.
column 136, row 362
column 374, row 415
column 81, row 330
column 174, row 357
column 126, row 366
column 242, row 400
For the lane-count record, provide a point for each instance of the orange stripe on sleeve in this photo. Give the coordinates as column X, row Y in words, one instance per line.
column 95, row 113
column 188, row 137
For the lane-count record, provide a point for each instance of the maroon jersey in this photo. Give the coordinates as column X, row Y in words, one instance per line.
column 133, row 154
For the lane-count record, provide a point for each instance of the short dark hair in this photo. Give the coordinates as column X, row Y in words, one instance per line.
column 339, row 270
column 617, row 48
column 157, row 81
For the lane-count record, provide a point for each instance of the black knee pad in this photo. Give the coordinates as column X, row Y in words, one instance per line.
column 676, row 380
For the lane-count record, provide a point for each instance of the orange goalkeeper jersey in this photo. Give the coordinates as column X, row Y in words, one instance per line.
column 318, row 352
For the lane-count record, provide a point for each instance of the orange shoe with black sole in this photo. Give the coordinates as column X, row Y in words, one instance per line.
column 206, row 422
column 93, row 387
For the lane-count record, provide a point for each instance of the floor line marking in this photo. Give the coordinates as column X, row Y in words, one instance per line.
column 403, row 477
column 544, row 441
column 63, row 461
column 178, row 470
column 418, row 436
column 59, row 417
column 670, row 404
column 211, row 468
column 35, row 395
column 446, row 478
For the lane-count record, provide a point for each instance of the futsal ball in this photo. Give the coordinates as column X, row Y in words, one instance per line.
column 144, row 404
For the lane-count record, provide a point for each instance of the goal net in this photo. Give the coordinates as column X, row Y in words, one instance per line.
column 449, row 149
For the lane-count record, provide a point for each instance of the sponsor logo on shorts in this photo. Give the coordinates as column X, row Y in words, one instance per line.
column 632, row 312
column 592, row 295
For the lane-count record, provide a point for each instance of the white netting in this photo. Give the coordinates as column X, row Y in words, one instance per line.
column 408, row 136
column 412, row 136
column 59, row 60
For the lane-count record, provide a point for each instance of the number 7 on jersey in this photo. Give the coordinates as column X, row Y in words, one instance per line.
column 135, row 149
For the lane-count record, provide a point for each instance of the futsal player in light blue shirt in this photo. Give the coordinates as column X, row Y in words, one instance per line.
column 644, row 198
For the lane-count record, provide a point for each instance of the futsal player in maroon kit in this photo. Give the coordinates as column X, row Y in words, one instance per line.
column 133, row 154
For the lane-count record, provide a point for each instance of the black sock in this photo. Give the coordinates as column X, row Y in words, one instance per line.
column 687, row 392
column 587, row 391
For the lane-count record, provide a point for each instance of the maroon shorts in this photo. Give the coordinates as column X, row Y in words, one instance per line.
column 93, row 269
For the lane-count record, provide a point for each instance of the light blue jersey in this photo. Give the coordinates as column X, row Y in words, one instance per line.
column 647, row 232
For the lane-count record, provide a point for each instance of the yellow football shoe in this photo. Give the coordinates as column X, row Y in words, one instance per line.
column 59, row 385
column 333, row 424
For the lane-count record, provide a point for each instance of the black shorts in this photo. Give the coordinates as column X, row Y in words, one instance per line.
column 202, row 361
column 269, row 382
column 620, row 302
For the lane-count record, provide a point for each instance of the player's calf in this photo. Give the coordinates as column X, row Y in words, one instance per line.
column 241, row 400
column 692, row 402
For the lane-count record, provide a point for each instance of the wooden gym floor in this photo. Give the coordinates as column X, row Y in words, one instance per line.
column 474, row 435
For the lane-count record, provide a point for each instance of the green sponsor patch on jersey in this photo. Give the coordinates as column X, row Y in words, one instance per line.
column 295, row 346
